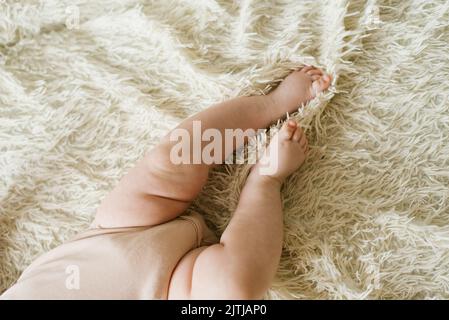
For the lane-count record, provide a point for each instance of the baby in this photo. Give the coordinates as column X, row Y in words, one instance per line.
column 144, row 245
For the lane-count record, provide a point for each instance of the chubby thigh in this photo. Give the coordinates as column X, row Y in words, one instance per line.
column 181, row 280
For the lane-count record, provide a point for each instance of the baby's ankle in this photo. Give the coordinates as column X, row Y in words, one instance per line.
column 271, row 107
column 266, row 180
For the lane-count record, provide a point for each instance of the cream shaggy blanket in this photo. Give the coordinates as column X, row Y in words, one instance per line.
column 87, row 86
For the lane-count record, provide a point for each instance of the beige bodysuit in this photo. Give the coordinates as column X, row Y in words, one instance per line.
column 118, row 263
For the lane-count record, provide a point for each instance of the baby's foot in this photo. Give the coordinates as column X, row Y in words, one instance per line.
column 286, row 153
column 298, row 88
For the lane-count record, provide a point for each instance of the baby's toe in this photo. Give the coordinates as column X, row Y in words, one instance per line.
column 288, row 130
column 307, row 69
column 321, row 84
column 298, row 134
column 315, row 72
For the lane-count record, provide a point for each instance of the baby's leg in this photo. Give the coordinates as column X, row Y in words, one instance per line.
column 156, row 190
column 243, row 264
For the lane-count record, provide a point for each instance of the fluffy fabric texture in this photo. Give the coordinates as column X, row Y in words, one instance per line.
column 367, row 216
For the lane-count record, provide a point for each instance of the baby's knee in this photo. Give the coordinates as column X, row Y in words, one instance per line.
column 185, row 180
